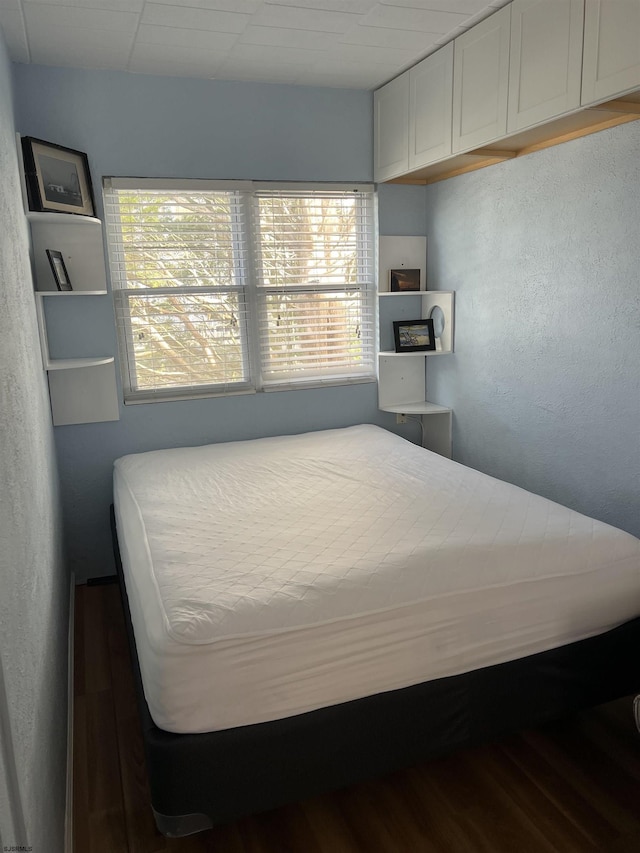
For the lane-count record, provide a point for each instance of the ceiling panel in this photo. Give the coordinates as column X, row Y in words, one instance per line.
column 43, row 15
column 304, row 19
column 281, row 37
column 357, row 7
column 194, row 19
column 464, row 7
column 380, row 37
column 112, row 5
column 196, row 39
column 403, row 18
column 340, row 43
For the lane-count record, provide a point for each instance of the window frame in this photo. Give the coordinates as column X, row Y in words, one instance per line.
column 252, row 294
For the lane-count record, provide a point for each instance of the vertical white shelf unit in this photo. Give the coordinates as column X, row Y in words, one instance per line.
column 402, row 377
column 82, row 390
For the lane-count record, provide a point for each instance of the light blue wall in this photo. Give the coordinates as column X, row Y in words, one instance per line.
column 153, row 126
column 34, row 583
column 544, row 255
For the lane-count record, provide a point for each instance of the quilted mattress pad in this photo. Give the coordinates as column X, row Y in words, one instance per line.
column 343, row 538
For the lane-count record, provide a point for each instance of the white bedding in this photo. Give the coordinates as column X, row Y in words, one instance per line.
column 268, row 578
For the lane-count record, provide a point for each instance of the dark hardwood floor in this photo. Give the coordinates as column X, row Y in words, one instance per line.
column 570, row 787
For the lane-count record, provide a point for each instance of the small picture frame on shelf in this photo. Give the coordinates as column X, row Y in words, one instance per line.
column 57, row 178
column 404, row 280
column 414, row 335
column 59, row 270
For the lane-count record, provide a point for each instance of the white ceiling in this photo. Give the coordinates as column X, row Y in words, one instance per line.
column 356, row 44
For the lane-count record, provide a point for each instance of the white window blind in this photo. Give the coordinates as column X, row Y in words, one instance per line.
column 315, row 280
column 230, row 288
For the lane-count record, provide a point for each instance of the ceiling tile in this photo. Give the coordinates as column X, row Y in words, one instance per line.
column 357, row 7
column 245, row 7
column 403, row 18
column 12, row 25
column 465, row 7
column 282, row 37
column 110, row 5
column 258, row 53
column 49, row 15
column 194, row 19
column 292, row 17
column 351, row 67
column 176, row 53
column 204, row 39
column 418, row 42
column 64, row 38
column 82, row 49
column 265, row 76
column 168, row 68
column 272, row 73
column 360, row 78
column 371, row 55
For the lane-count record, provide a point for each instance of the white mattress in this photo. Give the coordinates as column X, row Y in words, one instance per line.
column 268, row 578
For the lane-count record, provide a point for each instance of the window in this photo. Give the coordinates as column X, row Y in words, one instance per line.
column 225, row 287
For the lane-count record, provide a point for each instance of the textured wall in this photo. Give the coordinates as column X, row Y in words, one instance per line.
column 154, row 126
column 544, row 255
column 33, row 582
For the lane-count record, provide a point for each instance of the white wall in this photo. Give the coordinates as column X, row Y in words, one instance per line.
column 33, row 580
column 544, row 255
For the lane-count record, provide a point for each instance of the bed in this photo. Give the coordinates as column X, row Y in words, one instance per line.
column 307, row 611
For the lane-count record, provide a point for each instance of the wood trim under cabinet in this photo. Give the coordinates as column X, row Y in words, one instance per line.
column 573, row 126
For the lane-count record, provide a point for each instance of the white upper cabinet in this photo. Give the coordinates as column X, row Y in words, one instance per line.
column 430, row 108
column 391, row 129
column 480, row 82
column 611, row 49
column 546, row 60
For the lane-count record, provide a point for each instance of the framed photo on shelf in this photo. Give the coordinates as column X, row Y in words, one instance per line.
column 59, row 270
column 404, row 281
column 414, row 335
column 57, row 178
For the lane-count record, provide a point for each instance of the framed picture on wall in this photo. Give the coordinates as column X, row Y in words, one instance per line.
column 59, row 270
column 404, row 280
column 414, row 335
column 58, row 178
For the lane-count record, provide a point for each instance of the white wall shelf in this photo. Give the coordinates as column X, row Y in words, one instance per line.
column 402, row 376
column 72, row 293
column 84, row 393
column 82, row 390
column 422, row 407
column 79, row 238
column 392, row 354
column 55, row 218
column 74, row 363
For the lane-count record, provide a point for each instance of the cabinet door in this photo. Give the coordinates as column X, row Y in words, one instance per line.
column 546, row 60
column 391, row 129
column 611, row 62
column 430, row 108
column 480, row 82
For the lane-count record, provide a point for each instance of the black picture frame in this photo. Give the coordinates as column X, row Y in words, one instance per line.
column 404, row 280
column 59, row 270
column 58, row 178
column 414, row 335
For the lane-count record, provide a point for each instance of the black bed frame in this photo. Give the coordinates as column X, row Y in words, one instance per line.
column 198, row 780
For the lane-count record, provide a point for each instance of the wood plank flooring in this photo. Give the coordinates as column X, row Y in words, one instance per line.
column 570, row 787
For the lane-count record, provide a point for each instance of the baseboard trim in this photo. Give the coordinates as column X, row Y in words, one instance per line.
column 68, row 817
